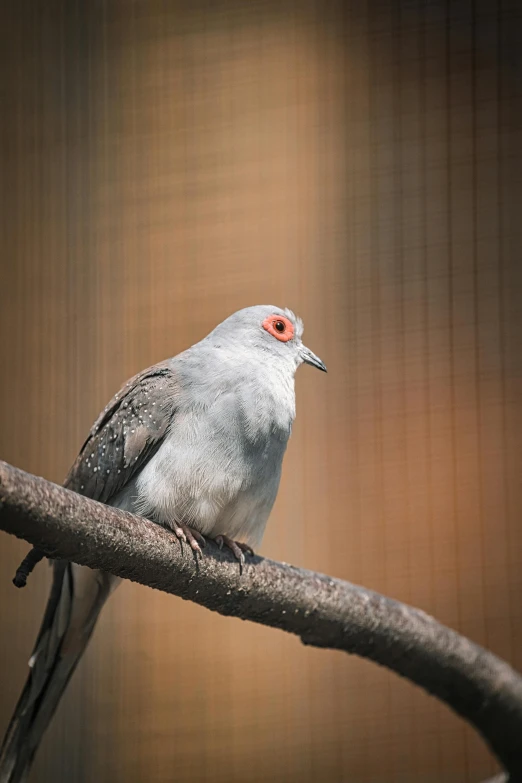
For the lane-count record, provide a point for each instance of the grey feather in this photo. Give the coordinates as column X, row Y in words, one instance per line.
column 52, row 664
column 125, row 435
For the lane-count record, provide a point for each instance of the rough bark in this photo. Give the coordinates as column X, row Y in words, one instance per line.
column 322, row 611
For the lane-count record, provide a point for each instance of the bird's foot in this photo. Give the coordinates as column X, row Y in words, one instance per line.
column 236, row 547
column 187, row 535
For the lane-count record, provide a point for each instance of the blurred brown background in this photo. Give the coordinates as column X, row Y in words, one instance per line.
column 165, row 163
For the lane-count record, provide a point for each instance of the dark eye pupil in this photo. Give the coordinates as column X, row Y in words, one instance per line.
column 279, row 325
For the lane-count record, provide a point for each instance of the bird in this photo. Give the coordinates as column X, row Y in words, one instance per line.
column 194, row 443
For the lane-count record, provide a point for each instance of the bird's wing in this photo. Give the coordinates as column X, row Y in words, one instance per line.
column 126, row 434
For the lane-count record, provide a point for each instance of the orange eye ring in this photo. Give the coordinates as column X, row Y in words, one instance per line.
column 280, row 327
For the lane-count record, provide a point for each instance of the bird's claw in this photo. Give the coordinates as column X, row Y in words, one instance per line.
column 236, row 547
column 187, row 535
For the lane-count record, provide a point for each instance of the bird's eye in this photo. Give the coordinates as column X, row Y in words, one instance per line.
column 280, row 327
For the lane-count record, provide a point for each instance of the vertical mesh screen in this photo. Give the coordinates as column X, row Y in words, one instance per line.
column 166, row 163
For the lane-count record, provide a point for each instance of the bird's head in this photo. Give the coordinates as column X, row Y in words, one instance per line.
column 268, row 333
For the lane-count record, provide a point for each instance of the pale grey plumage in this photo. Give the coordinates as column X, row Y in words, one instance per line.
column 219, row 465
column 197, row 440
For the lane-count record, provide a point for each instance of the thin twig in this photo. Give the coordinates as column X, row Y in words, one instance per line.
column 27, row 566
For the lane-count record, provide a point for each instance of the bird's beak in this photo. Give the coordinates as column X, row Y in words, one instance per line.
column 310, row 358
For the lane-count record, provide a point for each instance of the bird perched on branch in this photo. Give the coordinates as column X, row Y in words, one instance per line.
column 195, row 443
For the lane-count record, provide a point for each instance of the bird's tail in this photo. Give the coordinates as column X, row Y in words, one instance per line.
column 77, row 597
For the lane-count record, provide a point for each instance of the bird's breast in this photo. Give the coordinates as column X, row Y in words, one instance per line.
column 218, row 468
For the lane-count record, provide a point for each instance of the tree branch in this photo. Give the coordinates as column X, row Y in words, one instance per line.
column 322, row 611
